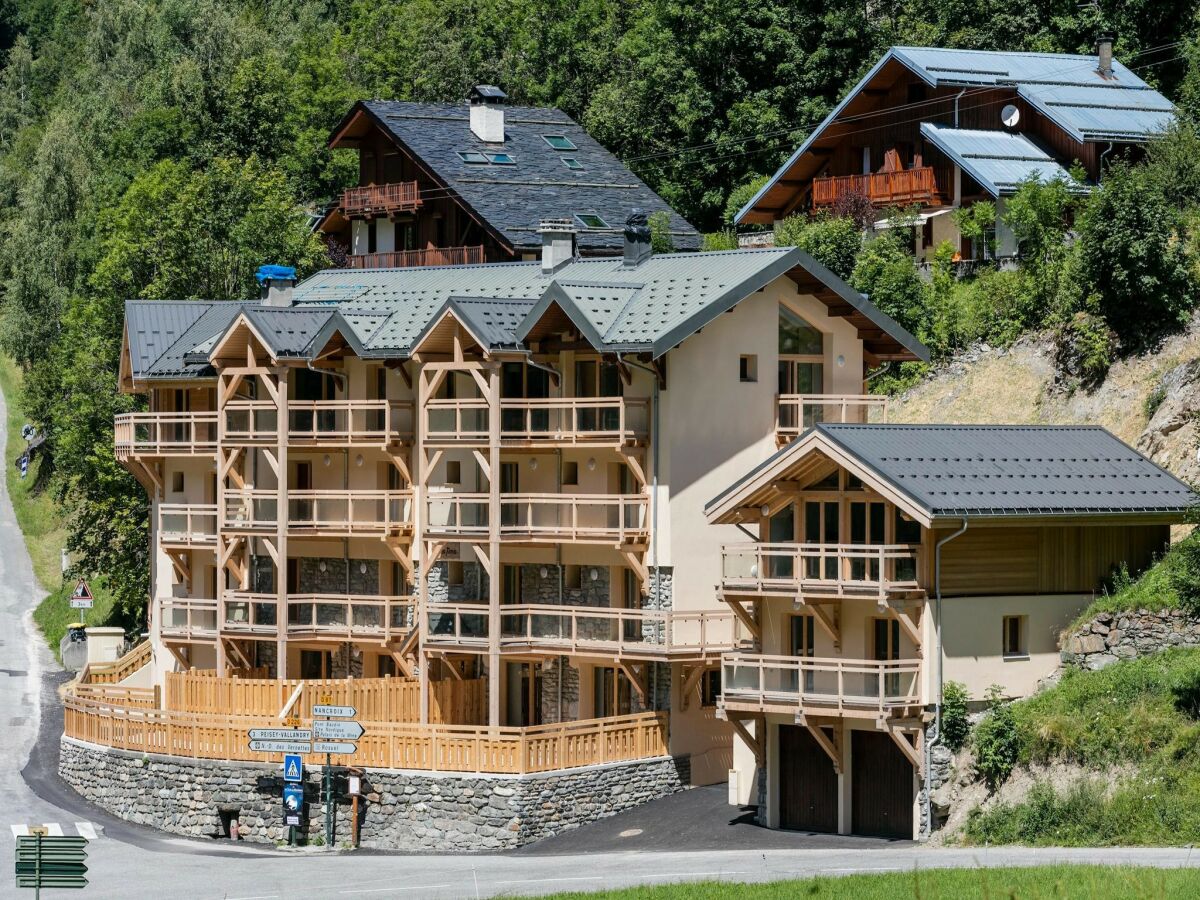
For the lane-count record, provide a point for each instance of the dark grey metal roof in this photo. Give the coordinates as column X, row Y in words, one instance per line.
column 493, row 320
column 514, row 199
column 208, row 320
column 951, row 471
column 154, row 326
column 287, row 330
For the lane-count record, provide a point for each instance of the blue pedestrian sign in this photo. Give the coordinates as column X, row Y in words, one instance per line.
column 293, row 767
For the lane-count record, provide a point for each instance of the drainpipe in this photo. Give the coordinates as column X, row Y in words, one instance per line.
column 956, row 98
column 336, row 375
column 1100, row 165
column 937, row 586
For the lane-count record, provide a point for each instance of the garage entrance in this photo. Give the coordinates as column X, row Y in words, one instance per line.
column 881, row 784
column 807, row 783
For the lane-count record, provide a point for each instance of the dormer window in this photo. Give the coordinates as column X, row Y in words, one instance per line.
column 590, row 220
column 501, row 159
column 558, row 141
column 473, row 157
column 572, row 163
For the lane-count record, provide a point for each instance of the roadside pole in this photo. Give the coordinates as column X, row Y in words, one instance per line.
column 328, row 800
column 333, row 734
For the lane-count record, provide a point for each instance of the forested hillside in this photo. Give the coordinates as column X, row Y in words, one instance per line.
column 165, row 148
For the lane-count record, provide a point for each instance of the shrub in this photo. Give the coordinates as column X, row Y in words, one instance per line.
column 955, row 726
column 1084, row 349
column 831, row 241
column 660, row 232
column 885, row 272
column 855, row 206
column 719, row 240
column 997, row 743
column 977, row 222
column 1154, row 400
column 1184, row 575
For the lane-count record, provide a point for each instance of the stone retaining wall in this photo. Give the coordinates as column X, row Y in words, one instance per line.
column 1127, row 635
column 418, row 811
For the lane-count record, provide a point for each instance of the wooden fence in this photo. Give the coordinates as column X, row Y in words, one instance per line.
column 395, row 700
column 118, row 670
column 440, row 748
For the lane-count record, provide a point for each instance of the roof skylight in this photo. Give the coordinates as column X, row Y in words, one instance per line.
column 558, row 141
column 572, row 163
column 590, row 220
column 472, row 156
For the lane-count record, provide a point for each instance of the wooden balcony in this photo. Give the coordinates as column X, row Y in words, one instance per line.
column 341, row 423
column 250, row 422
column 797, row 684
column 187, row 618
column 433, row 256
column 540, row 422
column 871, row 571
column 350, row 617
column 165, row 434
column 372, row 200
column 250, row 614
column 633, row 633
column 796, row 413
column 616, row 519
column 898, row 188
column 187, row 524
column 335, row 513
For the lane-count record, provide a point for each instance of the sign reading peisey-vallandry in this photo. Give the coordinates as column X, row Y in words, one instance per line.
column 337, row 730
column 280, row 734
column 335, row 712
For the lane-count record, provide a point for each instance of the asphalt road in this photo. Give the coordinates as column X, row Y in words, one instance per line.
column 684, row 838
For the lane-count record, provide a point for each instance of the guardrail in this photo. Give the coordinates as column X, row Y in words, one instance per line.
column 250, row 422
column 250, row 613
column 165, row 434
column 569, row 421
column 346, row 616
column 117, row 670
column 580, row 518
column 187, row 618
column 433, row 256
column 349, row 422
column 349, row 512
column 918, row 185
column 187, row 524
column 838, row 570
column 796, row 413
column 799, row 681
column 381, row 198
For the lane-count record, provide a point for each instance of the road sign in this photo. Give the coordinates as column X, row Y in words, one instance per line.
column 280, row 734
column 281, row 746
column 51, row 862
column 293, row 768
column 334, row 747
column 335, row 712
column 293, row 804
column 81, row 597
column 336, row 730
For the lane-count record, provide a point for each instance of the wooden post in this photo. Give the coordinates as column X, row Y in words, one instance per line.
column 494, row 582
column 281, row 524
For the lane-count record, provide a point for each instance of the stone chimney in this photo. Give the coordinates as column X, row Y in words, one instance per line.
column 637, row 239
column 487, row 113
column 276, row 283
column 558, row 244
column 1104, row 54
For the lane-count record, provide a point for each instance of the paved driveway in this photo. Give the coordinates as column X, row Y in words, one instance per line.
column 695, row 820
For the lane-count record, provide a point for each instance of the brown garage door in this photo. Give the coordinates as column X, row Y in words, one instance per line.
column 807, row 783
column 881, row 783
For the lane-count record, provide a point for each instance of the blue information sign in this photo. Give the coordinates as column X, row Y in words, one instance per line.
column 293, row 804
column 293, row 767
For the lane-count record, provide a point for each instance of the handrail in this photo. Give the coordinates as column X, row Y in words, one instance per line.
column 349, row 511
column 461, row 420
column 444, row 748
column 250, row 421
column 361, row 615
column 807, row 680
column 572, row 517
column 431, row 256
column 861, row 570
column 348, row 421
column 383, row 198
column 250, row 509
column 903, row 185
column 181, row 523
column 539, row 420
column 199, row 617
column 249, row 612
column 796, row 413
column 117, row 670
column 165, row 433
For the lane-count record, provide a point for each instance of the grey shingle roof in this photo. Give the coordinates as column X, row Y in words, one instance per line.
column 513, row 199
column 951, row 471
column 647, row 308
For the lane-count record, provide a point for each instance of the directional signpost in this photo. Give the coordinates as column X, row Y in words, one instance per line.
column 333, row 735
column 334, row 730
column 335, row 712
column 50, row 862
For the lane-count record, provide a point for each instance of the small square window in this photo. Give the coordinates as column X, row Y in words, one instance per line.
column 710, row 687
column 590, row 220
column 453, row 472
column 572, row 163
column 177, row 482
column 558, row 141
column 472, row 156
column 748, row 367
column 570, row 473
column 1014, row 636
column 502, row 159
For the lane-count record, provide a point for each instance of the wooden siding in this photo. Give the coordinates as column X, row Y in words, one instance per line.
column 1056, row 559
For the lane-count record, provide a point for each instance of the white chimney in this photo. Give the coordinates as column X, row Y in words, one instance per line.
column 558, row 244
column 487, row 113
column 276, row 284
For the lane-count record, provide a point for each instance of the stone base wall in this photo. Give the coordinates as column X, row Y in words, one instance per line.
column 418, row 811
column 1128, row 635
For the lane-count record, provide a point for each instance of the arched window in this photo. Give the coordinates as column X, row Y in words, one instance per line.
column 801, row 366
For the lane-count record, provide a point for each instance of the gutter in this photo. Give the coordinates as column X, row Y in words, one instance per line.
column 340, row 377
column 654, row 462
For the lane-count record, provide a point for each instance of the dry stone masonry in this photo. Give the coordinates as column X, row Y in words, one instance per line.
column 1128, row 635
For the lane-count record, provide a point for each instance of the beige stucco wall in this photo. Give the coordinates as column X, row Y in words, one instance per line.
column 971, row 638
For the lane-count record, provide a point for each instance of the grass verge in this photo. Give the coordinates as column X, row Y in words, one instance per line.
column 42, row 525
column 1059, row 882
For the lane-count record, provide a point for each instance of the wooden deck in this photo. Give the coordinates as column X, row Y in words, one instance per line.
column 902, row 187
column 789, row 684
column 433, row 256
column 879, row 571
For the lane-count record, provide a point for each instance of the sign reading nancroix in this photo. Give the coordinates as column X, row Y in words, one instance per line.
column 334, row 712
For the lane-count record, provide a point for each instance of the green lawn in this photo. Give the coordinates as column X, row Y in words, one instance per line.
column 1058, row 882
column 1152, row 591
column 42, row 524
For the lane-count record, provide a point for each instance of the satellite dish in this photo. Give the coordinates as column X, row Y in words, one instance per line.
column 1010, row 115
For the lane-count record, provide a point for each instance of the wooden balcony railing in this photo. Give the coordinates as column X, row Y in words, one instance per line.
column 118, row 670
column 349, row 512
column 250, row 613
column 165, row 434
column 576, row 518
column 250, row 422
column 905, row 186
column 459, row 421
column 381, row 199
column 187, row 524
column 187, row 618
column 567, row 629
column 796, row 413
column 250, row 510
column 346, row 617
column 433, row 256
column 821, row 570
column 435, row 748
column 571, row 421
column 798, row 682
column 349, row 422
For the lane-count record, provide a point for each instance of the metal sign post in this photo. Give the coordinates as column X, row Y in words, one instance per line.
column 45, row 861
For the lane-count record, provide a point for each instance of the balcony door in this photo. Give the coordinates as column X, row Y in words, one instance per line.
column 885, row 647
column 801, row 368
column 802, row 643
column 510, row 484
column 597, row 378
column 822, row 525
column 867, row 522
column 517, row 382
column 524, row 694
column 781, row 529
column 610, row 693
